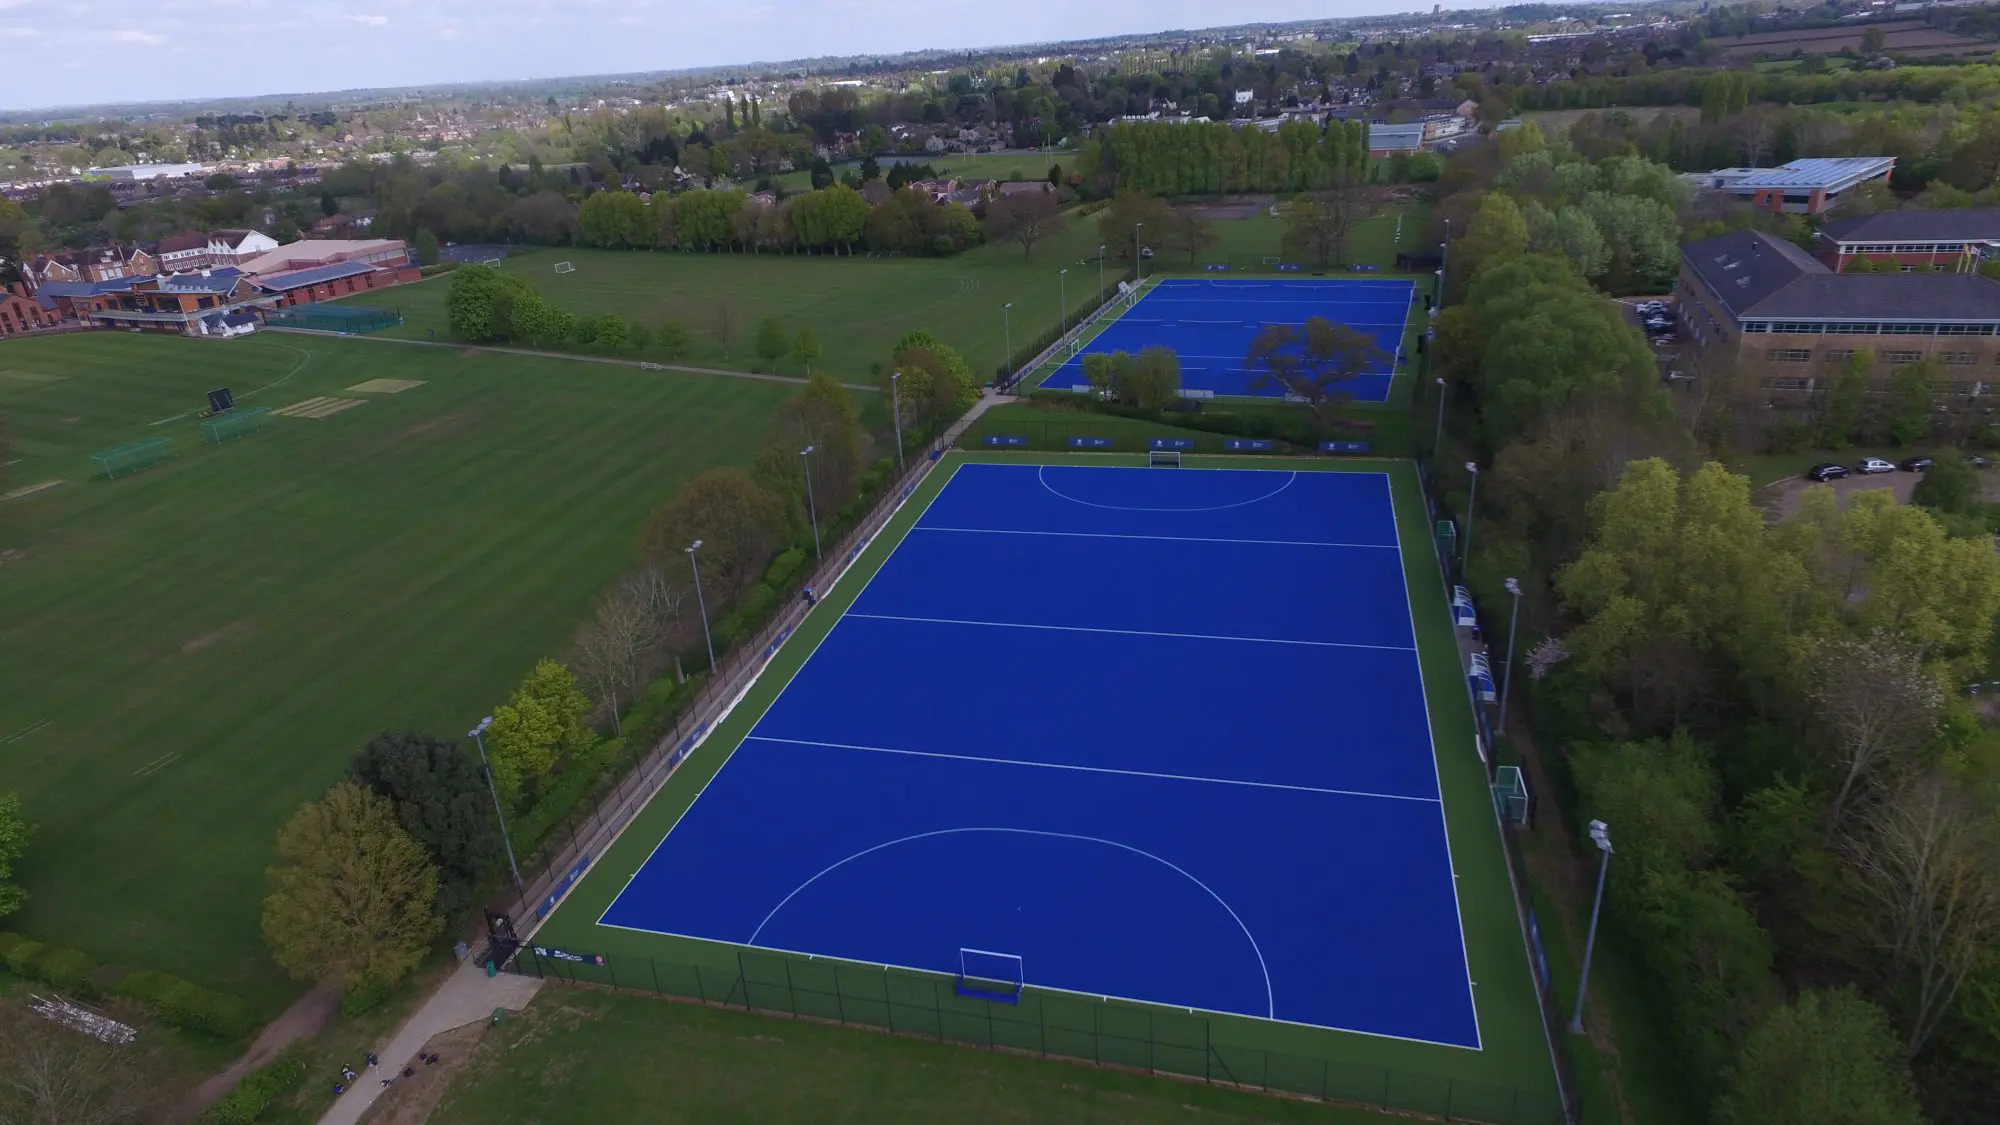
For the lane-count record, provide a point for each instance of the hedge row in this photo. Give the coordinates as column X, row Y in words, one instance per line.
column 169, row 999
column 259, row 1089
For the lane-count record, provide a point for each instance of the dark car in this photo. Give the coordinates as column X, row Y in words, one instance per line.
column 1826, row 472
column 1916, row 464
column 1976, row 461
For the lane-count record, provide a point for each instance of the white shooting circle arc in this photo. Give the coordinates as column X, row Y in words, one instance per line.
column 1041, row 474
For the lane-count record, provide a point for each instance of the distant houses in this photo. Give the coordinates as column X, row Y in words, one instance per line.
column 214, row 284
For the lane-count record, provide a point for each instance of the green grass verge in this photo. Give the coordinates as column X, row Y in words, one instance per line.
column 1510, row 1079
column 582, row 1057
column 195, row 650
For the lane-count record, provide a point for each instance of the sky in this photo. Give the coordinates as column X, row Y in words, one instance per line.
column 82, row 52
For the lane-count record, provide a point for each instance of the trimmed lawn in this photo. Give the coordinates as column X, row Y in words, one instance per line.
column 196, row 649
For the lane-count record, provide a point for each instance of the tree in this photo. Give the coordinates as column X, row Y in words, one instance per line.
column 1882, row 705
column 1024, row 217
column 1314, row 361
column 869, row 168
column 1872, row 41
column 673, row 340
column 538, row 730
column 1310, row 236
column 15, row 832
column 328, row 205
column 1571, row 233
column 608, row 331
column 1949, row 487
column 1497, row 234
column 1927, row 885
column 1909, row 394
column 426, row 247
column 822, row 174
column 353, row 897
column 805, row 345
column 822, row 416
column 1828, row 1058
column 739, row 522
column 772, row 341
column 1120, row 226
column 638, row 335
column 438, row 791
column 722, row 321
column 1840, row 414
column 478, row 304
column 1189, row 233
column 53, row 1075
column 613, row 648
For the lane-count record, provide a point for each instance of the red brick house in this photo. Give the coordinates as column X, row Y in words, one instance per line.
column 20, row 312
column 337, row 279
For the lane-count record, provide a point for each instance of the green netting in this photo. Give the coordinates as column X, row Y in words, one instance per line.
column 334, row 318
column 241, row 422
column 132, row 457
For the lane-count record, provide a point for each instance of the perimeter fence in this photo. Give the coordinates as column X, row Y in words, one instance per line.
column 1053, row 1024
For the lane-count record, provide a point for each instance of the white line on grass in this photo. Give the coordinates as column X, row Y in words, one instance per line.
column 1093, row 769
column 1127, row 632
column 1162, row 538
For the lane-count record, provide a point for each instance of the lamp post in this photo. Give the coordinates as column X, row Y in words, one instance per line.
column 701, row 602
column 812, row 507
column 1138, row 269
column 1007, row 326
column 1507, row 674
column 478, row 735
column 896, row 413
column 1471, row 501
column 1600, row 834
column 1101, row 251
column 1062, row 287
column 1437, row 435
column 1444, row 261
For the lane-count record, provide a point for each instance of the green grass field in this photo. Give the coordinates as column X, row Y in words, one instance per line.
column 960, row 166
column 582, row 1057
column 194, row 651
column 859, row 306
column 1510, row 1079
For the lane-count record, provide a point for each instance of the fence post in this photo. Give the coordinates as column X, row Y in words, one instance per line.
column 654, row 967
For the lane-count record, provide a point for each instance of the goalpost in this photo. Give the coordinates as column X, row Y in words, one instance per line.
column 986, row 975
column 1170, row 458
column 565, row 267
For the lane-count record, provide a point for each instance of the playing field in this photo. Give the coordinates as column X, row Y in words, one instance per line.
column 1183, row 757
column 194, row 650
column 858, row 307
column 1210, row 323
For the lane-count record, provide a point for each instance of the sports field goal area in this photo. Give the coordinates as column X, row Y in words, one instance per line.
column 131, row 457
column 238, row 423
column 349, row 319
column 1211, row 323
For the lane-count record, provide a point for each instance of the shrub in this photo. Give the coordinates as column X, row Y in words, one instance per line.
column 67, row 969
column 784, row 568
column 259, row 1089
column 185, row 1004
column 365, row 997
column 23, row 957
column 8, row 940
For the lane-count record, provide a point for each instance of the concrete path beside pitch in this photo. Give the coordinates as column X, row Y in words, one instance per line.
column 469, row 996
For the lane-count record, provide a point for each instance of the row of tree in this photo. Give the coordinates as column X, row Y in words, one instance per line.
column 1208, row 158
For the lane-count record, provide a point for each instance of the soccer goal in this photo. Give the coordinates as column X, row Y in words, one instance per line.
column 491, row 262
column 1510, row 796
column 565, row 267
column 1170, row 458
column 986, row 975
column 240, row 422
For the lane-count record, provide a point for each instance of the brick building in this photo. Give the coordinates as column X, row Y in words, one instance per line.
column 20, row 312
column 1949, row 241
column 337, row 279
column 1780, row 322
column 1803, row 187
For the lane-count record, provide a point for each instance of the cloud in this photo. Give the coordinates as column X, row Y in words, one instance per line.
column 17, row 32
column 134, row 35
column 367, row 20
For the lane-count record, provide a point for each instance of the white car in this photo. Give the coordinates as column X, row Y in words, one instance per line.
column 1870, row 465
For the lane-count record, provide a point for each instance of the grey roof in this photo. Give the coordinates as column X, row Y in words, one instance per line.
column 214, row 281
column 299, row 279
column 1755, row 275
column 1831, row 173
column 1743, row 268
column 1972, row 224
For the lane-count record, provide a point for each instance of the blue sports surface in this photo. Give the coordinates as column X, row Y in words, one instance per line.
column 1160, row 733
column 1210, row 324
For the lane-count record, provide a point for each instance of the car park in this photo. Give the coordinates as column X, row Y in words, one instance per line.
column 1826, row 472
column 1916, row 464
column 1870, row 465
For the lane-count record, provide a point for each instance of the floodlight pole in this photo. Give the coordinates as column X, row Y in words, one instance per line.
column 1600, row 834
column 896, row 413
column 1507, row 674
column 1138, row 263
column 1101, row 251
column 702, row 603
column 812, row 507
column 478, row 735
column 1007, row 325
column 1062, row 287
column 1471, row 501
column 1444, row 261
column 1437, row 436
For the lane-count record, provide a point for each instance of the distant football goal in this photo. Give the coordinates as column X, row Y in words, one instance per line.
column 565, row 267
column 241, row 422
column 130, row 458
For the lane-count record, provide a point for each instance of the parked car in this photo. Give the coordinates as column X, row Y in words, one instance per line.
column 1915, row 464
column 1659, row 324
column 1871, row 465
column 1826, row 472
column 1976, row 461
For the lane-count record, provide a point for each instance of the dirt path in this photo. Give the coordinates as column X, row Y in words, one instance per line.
column 307, row 1017
column 531, row 353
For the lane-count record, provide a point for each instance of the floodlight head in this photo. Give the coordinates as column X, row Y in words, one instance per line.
column 1472, row 468
column 1600, row 834
column 484, row 723
column 1440, row 381
column 808, row 449
column 694, row 546
column 1514, row 586
column 1008, row 305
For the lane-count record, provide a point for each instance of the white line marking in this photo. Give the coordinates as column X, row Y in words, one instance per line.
column 1126, row 632
column 1091, row 769
column 1160, row 538
column 780, row 694
column 1444, row 823
column 1270, row 996
column 24, row 732
column 1041, row 474
column 164, row 421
